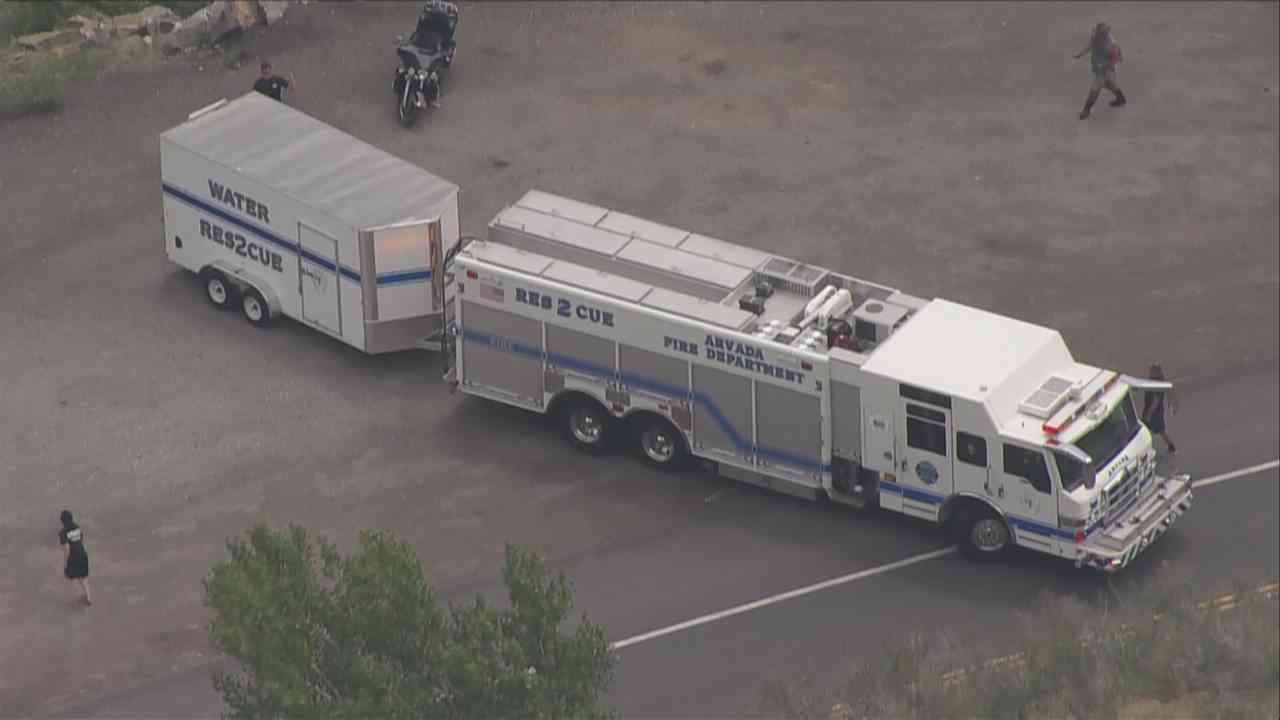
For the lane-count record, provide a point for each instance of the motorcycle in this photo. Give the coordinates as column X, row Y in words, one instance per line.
column 424, row 58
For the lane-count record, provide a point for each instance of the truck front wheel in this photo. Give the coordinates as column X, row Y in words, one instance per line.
column 982, row 534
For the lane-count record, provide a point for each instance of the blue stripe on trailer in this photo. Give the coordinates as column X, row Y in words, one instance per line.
column 389, row 278
column 600, row 371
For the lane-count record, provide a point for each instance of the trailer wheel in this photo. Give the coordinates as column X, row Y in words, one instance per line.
column 660, row 445
column 254, row 307
column 586, row 425
column 982, row 534
column 217, row 289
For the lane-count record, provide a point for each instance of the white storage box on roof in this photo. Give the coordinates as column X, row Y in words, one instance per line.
column 281, row 214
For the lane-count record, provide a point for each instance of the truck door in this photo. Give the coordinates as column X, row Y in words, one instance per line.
column 318, row 279
column 405, row 261
column 880, row 451
column 924, row 463
column 1030, row 500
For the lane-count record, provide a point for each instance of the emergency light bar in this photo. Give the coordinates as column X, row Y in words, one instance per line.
column 1068, row 414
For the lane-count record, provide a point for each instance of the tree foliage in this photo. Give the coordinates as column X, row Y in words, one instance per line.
column 318, row 635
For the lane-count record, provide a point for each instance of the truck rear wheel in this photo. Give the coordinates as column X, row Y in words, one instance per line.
column 217, row 289
column 660, row 445
column 586, row 425
column 982, row 534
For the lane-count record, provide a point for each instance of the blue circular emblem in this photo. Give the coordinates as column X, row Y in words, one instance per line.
column 927, row 473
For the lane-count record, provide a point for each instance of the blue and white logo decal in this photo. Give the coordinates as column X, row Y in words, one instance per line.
column 927, row 473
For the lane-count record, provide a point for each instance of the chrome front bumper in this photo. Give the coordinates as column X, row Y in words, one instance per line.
column 1114, row 547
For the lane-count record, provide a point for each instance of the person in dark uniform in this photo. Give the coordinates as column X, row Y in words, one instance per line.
column 1153, row 409
column 76, row 559
column 273, row 86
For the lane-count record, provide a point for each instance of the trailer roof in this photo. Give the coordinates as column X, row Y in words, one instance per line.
column 972, row 354
column 313, row 162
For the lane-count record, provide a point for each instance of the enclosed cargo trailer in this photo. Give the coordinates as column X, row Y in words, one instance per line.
column 281, row 214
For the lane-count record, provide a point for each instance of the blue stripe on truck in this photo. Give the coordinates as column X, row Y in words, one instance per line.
column 741, row 443
column 387, row 278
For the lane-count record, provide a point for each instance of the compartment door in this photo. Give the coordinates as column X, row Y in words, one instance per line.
column 924, row 463
column 318, row 279
column 403, row 268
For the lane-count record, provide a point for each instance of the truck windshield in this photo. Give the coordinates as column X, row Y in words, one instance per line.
column 1111, row 435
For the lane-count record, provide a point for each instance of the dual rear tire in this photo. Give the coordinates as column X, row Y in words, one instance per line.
column 223, row 294
column 587, row 426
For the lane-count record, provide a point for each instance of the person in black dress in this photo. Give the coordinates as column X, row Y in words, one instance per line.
column 1153, row 409
column 76, row 566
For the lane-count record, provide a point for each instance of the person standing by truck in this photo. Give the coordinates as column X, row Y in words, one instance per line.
column 1104, row 54
column 1153, row 403
column 269, row 84
column 75, row 557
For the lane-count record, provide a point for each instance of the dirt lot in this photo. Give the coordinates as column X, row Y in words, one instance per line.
column 932, row 147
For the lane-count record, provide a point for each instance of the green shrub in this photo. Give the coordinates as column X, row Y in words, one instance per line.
column 23, row 17
column 40, row 88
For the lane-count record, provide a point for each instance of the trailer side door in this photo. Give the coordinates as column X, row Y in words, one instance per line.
column 318, row 279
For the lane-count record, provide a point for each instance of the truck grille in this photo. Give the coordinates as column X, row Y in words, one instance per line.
column 1126, row 492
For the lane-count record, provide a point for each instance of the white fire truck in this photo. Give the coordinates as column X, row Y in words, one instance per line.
column 806, row 381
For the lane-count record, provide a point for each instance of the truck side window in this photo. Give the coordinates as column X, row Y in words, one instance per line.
column 971, row 449
column 1028, row 464
column 1071, row 472
column 927, row 436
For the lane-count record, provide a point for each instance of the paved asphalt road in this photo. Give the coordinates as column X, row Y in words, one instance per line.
column 766, row 544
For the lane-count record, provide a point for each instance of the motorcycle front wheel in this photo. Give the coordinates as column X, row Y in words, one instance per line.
column 408, row 108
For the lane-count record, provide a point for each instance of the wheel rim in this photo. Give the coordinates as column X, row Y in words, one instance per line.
column 657, row 445
column 989, row 535
column 217, row 291
column 253, row 308
column 586, row 427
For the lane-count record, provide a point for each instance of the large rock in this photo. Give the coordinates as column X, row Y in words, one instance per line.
column 49, row 40
column 244, row 12
column 153, row 20
column 95, row 30
column 207, row 25
column 273, row 10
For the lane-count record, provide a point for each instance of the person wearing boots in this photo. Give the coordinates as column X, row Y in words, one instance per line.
column 1104, row 54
